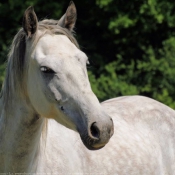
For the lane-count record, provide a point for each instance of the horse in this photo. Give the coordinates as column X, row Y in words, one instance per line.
column 52, row 122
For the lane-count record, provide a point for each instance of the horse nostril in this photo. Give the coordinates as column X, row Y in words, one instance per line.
column 95, row 131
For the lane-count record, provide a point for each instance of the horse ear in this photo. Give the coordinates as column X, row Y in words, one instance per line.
column 68, row 20
column 30, row 22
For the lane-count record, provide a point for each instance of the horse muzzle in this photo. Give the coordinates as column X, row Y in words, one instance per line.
column 98, row 134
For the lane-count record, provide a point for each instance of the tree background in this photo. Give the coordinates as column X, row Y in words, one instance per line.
column 130, row 44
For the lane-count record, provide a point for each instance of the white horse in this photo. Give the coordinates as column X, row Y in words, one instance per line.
column 46, row 88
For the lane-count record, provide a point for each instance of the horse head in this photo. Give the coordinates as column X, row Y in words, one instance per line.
column 57, row 81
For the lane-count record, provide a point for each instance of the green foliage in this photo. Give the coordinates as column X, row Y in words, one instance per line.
column 142, row 60
column 130, row 44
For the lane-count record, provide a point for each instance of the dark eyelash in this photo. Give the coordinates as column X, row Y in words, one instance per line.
column 45, row 69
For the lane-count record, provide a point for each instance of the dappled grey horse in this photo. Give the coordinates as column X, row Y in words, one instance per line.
column 46, row 91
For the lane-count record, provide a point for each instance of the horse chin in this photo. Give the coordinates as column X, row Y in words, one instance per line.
column 93, row 148
column 90, row 145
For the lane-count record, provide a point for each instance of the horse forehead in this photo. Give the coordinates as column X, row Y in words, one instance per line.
column 56, row 44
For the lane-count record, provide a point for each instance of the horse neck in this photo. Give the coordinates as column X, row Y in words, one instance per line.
column 20, row 131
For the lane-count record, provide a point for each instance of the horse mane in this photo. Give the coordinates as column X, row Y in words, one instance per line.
column 17, row 65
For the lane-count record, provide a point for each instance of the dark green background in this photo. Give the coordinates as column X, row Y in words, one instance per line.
column 130, row 44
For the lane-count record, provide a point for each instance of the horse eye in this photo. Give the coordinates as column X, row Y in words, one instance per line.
column 45, row 69
column 62, row 108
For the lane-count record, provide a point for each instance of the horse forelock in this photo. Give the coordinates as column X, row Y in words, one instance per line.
column 17, row 62
column 53, row 27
